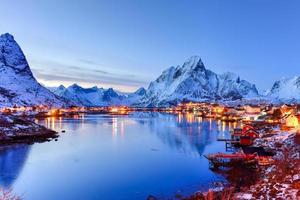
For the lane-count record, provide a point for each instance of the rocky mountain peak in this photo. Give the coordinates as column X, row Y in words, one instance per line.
column 193, row 82
column 75, row 86
column 11, row 55
column 141, row 91
column 61, row 87
column 110, row 92
column 194, row 63
column 7, row 36
column 17, row 83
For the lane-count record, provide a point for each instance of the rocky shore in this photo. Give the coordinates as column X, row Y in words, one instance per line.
column 280, row 181
column 15, row 129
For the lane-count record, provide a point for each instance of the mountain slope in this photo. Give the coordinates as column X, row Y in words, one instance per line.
column 286, row 88
column 193, row 82
column 17, row 84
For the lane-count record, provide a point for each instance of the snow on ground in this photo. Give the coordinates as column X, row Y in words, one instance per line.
column 282, row 179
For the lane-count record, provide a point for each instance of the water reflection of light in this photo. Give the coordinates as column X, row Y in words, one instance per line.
column 53, row 123
column 199, row 119
column 122, row 128
column 50, row 122
column 219, row 124
column 60, row 122
column 199, row 129
column 234, row 125
column 223, row 126
column 114, row 126
column 189, row 118
column 179, row 118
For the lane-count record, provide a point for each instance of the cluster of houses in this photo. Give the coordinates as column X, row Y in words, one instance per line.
column 287, row 115
column 257, row 122
column 39, row 110
column 46, row 111
column 25, row 110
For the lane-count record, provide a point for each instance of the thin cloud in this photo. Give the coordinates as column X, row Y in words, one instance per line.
column 94, row 79
column 101, row 71
column 89, row 62
column 60, row 72
column 56, row 65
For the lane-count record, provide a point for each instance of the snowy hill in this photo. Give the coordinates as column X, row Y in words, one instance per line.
column 17, row 83
column 95, row 96
column 285, row 90
column 193, row 82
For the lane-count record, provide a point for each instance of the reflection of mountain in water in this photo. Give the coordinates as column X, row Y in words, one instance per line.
column 185, row 133
column 12, row 160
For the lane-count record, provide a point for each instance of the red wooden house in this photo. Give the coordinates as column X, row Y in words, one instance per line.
column 245, row 136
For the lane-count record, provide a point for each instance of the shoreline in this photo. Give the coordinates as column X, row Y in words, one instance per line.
column 266, row 180
column 18, row 130
column 280, row 180
column 46, row 136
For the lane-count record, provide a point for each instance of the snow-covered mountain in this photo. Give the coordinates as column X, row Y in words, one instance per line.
column 95, row 96
column 193, row 82
column 188, row 82
column 17, row 83
column 286, row 89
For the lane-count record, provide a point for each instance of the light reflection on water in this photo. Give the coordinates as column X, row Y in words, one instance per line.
column 117, row 157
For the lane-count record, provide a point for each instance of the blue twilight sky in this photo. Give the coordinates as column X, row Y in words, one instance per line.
column 125, row 44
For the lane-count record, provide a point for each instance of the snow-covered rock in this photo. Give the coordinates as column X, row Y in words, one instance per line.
column 136, row 97
column 286, row 90
column 193, row 82
column 95, row 96
column 17, row 83
column 14, row 129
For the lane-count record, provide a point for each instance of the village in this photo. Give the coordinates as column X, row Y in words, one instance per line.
column 262, row 112
column 264, row 140
column 262, row 136
column 286, row 115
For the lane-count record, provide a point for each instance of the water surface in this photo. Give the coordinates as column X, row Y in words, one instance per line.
column 116, row 157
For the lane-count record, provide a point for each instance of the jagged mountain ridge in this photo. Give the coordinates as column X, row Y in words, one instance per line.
column 95, row 96
column 193, row 82
column 17, row 83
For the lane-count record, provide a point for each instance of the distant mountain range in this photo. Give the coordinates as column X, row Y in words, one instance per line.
column 95, row 96
column 188, row 82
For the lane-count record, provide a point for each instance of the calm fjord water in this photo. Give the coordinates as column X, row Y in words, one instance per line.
column 116, row 157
